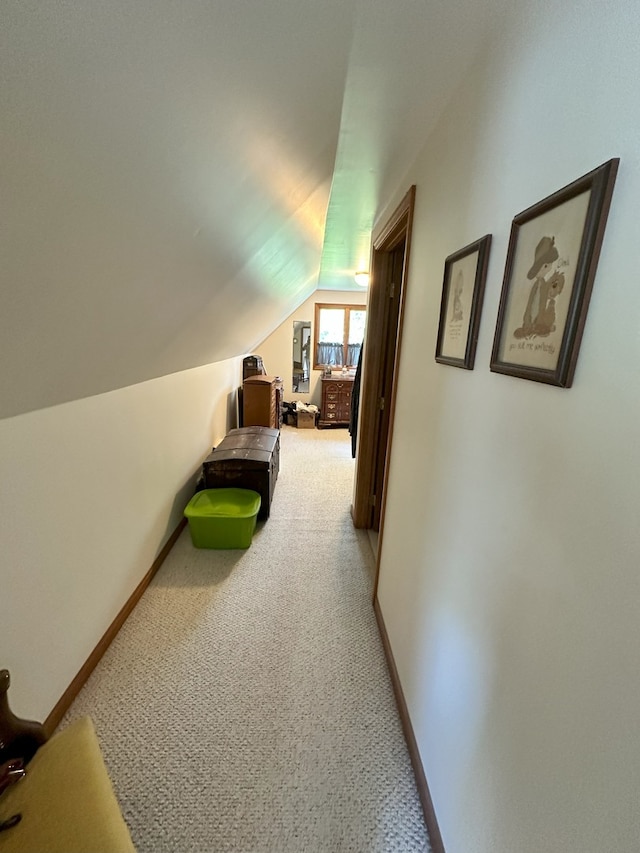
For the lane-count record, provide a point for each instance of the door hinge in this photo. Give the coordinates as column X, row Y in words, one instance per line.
column 373, row 500
column 392, row 290
column 381, row 404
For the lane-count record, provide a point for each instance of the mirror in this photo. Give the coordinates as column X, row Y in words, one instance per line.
column 301, row 355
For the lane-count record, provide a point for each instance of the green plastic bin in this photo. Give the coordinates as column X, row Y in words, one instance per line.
column 222, row 518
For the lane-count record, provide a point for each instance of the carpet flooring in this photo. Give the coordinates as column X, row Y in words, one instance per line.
column 245, row 705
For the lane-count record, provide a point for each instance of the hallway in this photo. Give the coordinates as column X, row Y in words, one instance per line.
column 245, row 705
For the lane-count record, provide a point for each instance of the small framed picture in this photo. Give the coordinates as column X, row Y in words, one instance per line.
column 465, row 273
column 551, row 264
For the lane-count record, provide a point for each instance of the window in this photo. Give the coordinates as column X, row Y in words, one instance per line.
column 338, row 335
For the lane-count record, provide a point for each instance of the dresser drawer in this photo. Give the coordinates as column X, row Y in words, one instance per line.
column 336, row 401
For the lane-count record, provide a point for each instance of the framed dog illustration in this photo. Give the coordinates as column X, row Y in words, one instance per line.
column 551, row 264
column 465, row 273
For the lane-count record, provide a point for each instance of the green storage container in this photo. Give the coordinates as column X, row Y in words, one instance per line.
column 222, row 518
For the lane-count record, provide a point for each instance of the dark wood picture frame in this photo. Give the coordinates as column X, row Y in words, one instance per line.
column 552, row 258
column 465, row 274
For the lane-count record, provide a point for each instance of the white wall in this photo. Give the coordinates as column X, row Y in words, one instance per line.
column 509, row 577
column 277, row 349
column 168, row 169
column 89, row 493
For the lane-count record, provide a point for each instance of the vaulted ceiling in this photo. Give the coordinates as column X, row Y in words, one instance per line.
column 177, row 177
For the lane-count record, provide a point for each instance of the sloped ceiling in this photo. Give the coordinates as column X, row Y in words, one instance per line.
column 177, row 177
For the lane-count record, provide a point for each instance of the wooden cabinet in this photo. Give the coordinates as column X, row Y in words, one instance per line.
column 262, row 401
column 335, row 408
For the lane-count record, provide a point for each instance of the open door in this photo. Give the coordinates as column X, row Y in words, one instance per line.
column 380, row 364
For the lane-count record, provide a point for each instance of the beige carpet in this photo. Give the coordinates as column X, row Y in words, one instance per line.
column 245, row 705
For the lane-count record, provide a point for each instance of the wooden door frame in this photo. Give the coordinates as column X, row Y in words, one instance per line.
column 397, row 228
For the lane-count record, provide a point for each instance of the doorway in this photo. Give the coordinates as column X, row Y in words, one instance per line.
column 381, row 357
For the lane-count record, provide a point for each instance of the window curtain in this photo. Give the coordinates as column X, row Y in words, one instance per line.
column 330, row 354
column 353, row 354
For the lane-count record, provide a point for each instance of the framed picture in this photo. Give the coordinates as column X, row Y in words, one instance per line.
column 465, row 273
column 551, row 263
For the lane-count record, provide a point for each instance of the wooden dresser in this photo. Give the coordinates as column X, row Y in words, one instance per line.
column 262, row 401
column 335, row 408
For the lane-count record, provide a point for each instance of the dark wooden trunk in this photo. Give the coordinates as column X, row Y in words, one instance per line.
column 247, row 458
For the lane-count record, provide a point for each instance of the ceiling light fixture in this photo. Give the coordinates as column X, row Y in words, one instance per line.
column 362, row 278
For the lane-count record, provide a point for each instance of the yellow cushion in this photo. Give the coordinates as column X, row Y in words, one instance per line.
column 66, row 800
